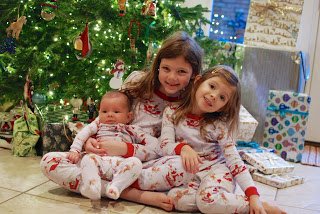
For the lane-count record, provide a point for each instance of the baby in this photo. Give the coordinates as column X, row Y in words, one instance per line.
column 111, row 125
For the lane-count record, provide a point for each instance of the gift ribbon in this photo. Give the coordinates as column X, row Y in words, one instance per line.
column 272, row 5
column 304, row 70
column 284, row 111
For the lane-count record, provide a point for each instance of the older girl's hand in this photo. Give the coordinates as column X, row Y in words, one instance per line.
column 190, row 159
column 93, row 146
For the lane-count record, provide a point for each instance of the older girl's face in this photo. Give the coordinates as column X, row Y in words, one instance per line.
column 212, row 95
column 174, row 75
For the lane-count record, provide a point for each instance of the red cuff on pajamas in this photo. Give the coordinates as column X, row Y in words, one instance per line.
column 251, row 191
column 135, row 185
column 130, row 150
column 178, row 148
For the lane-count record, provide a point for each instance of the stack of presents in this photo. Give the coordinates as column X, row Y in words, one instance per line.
column 273, row 77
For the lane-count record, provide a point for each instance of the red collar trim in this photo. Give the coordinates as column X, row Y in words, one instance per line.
column 165, row 97
column 193, row 116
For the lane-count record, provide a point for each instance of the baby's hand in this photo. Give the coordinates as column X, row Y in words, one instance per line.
column 74, row 157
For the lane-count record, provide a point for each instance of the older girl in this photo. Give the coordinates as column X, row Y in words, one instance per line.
column 175, row 66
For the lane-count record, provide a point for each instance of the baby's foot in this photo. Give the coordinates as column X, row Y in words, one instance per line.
column 112, row 192
column 92, row 191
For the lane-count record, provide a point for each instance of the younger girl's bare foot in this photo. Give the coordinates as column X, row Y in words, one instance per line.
column 156, row 199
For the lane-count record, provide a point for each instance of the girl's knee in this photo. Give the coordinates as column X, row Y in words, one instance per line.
column 135, row 162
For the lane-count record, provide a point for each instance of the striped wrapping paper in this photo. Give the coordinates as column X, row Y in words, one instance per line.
column 311, row 155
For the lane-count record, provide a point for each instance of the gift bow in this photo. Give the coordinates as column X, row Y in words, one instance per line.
column 272, row 5
column 283, row 111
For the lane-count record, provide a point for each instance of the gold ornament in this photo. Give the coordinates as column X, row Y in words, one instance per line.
column 77, row 43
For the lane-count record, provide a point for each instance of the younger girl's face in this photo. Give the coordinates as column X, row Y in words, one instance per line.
column 174, row 75
column 212, row 95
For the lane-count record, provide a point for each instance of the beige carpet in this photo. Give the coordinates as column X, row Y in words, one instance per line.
column 311, row 155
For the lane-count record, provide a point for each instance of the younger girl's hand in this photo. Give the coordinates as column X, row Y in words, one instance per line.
column 271, row 208
column 74, row 157
column 93, row 146
column 256, row 206
column 190, row 159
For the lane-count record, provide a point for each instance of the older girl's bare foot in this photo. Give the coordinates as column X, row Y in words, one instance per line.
column 156, row 199
column 159, row 199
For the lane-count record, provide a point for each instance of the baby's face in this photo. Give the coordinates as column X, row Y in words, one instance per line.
column 114, row 110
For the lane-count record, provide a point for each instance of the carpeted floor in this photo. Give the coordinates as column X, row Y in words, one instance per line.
column 311, row 155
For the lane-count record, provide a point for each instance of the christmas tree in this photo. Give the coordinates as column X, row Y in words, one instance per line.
column 71, row 47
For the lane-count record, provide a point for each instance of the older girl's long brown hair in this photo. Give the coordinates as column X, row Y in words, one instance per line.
column 229, row 113
column 178, row 44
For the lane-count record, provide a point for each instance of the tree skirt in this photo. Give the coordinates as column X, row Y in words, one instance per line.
column 311, row 155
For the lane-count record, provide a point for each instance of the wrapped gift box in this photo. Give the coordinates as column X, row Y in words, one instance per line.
column 261, row 73
column 268, row 163
column 273, row 24
column 278, row 181
column 250, row 168
column 247, row 125
column 285, row 124
column 56, row 137
column 54, row 122
column 251, row 147
column 56, row 114
column 5, row 140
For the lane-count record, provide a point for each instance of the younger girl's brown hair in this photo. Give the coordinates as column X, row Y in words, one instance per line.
column 229, row 113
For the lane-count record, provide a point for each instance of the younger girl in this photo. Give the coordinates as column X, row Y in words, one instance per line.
column 200, row 131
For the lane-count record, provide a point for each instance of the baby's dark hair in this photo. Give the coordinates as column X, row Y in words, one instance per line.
column 115, row 93
column 178, row 44
column 229, row 113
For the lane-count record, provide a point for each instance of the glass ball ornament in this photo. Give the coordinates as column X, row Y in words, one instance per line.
column 48, row 9
column 47, row 16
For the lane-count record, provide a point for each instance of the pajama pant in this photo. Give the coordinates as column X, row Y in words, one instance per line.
column 210, row 191
column 121, row 172
column 160, row 174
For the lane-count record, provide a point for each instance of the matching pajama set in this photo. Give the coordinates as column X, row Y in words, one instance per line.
column 119, row 171
column 157, row 173
column 211, row 190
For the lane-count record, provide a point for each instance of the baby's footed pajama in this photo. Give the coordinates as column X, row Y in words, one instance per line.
column 121, row 172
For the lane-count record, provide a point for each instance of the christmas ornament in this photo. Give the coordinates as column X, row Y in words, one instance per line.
column 122, row 7
column 39, row 99
column 133, row 37
column 118, row 71
column 28, row 93
column 149, row 8
column 83, row 43
column 76, row 104
column 92, row 110
column 48, row 11
column 199, row 32
column 9, row 44
column 150, row 52
column 15, row 28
